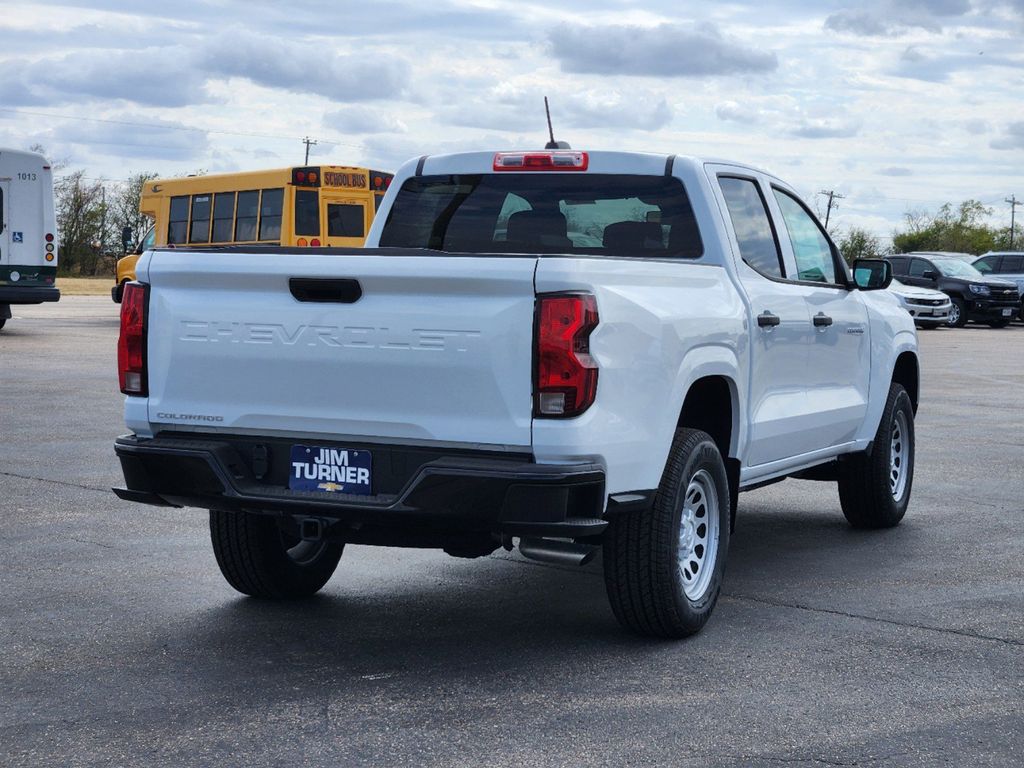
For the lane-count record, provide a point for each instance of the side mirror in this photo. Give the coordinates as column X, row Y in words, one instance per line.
column 930, row 274
column 126, row 238
column 872, row 274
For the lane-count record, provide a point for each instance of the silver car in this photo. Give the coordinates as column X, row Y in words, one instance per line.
column 929, row 308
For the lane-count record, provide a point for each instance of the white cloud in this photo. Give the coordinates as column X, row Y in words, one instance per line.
column 667, row 50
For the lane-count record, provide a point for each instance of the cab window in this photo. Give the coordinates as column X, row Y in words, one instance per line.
column 811, row 249
column 753, row 227
column 918, row 267
column 987, row 265
column 1012, row 265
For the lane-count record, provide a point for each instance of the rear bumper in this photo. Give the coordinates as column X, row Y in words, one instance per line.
column 423, row 490
column 28, row 294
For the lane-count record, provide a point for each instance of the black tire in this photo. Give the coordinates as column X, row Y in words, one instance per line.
column 957, row 314
column 253, row 554
column 3, row 322
column 642, row 570
column 866, row 490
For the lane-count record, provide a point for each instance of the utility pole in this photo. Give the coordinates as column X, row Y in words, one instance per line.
column 832, row 195
column 308, row 142
column 1014, row 202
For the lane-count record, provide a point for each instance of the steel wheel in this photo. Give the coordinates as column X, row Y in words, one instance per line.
column 898, row 451
column 698, row 535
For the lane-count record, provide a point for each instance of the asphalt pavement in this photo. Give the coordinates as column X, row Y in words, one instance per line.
column 120, row 643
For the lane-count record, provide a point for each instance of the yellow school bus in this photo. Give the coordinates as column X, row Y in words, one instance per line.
column 309, row 206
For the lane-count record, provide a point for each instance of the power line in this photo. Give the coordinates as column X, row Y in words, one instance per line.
column 169, row 127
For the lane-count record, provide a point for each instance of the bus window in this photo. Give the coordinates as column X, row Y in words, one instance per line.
column 270, row 214
column 177, row 228
column 223, row 216
column 307, row 212
column 245, row 224
column 345, row 220
column 199, row 232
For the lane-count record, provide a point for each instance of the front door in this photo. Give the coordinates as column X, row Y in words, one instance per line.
column 839, row 355
column 346, row 220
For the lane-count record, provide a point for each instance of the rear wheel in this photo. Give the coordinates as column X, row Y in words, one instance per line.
column 260, row 557
column 957, row 314
column 874, row 489
column 663, row 567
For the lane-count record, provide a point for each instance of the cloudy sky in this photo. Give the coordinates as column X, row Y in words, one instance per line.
column 897, row 104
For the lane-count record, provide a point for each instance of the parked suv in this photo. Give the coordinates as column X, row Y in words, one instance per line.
column 1007, row 265
column 974, row 296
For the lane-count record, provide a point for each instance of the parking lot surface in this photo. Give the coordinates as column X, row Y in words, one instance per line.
column 121, row 644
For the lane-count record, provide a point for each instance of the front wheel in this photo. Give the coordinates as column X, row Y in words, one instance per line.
column 874, row 489
column 259, row 556
column 663, row 567
column 957, row 314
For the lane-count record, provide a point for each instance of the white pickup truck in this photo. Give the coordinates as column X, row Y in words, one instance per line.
column 562, row 350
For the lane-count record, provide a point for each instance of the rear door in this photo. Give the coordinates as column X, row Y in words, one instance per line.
column 780, row 325
column 412, row 348
column 5, row 229
column 346, row 219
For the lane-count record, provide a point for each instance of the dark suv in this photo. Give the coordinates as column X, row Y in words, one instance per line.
column 974, row 296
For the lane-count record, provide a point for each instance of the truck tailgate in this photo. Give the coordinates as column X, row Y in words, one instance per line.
column 436, row 348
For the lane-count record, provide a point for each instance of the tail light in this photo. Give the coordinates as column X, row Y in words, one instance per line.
column 566, row 382
column 131, row 346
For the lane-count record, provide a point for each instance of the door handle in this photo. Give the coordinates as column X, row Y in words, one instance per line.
column 768, row 319
column 325, row 290
column 821, row 320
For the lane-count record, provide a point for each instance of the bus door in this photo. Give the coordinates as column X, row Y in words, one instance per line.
column 5, row 223
column 346, row 219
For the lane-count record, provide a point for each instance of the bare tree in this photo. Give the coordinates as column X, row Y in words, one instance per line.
column 80, row 219
column 124, row 206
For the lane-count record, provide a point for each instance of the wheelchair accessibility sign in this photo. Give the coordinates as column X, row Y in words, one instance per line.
column 17, row 237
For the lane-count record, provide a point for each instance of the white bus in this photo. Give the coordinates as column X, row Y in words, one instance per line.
column 28, row 231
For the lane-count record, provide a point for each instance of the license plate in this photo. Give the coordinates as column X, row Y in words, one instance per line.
column 1007, row 312
column 331, row 470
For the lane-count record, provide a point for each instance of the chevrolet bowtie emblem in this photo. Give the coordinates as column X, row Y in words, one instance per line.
column 330, row 487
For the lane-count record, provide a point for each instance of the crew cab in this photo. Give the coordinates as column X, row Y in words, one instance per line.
column 570, row 352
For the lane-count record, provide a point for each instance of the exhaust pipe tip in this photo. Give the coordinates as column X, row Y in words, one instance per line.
column 557, row 551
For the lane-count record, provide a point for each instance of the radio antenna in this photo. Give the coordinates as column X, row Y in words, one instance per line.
column 551, row 131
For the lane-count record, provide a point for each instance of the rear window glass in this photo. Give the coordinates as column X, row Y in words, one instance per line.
column 600, row 214
column 345, row 220
column 307, row 212
column 1012, row 264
